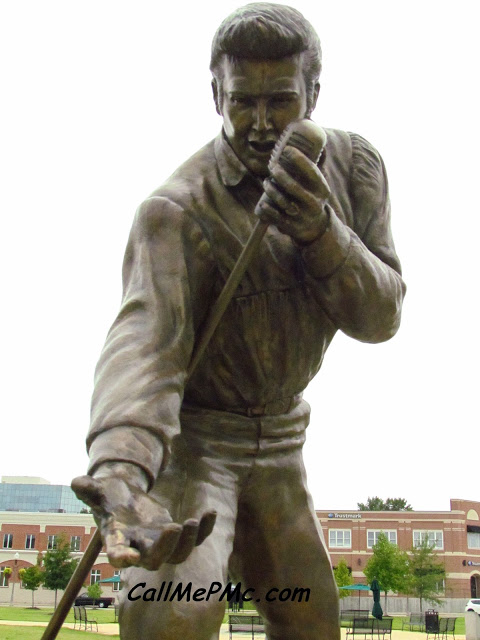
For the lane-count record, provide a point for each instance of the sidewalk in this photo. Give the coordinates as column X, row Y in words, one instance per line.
column 112, row 629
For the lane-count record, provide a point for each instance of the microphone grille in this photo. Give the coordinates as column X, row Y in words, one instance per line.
column 305, row 136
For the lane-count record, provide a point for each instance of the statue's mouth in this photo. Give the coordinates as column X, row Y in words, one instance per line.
column 262, row 147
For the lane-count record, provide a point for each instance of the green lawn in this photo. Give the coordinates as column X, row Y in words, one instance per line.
column 104, row 616
column 35, row 633
column 44, row 614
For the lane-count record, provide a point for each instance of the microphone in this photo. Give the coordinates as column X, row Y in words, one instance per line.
column 303, row 135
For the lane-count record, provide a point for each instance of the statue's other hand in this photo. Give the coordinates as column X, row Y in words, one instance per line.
column 136, row 529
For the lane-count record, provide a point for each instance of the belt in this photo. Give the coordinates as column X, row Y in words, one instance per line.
column 274, row 408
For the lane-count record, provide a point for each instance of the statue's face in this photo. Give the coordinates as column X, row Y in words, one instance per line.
column 259, row 99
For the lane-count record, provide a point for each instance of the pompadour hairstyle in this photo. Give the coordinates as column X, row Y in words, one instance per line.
column 266, row 31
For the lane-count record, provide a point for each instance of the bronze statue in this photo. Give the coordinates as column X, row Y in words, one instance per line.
column 169, row 455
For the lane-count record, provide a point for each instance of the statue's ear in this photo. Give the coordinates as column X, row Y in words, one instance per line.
column 316, row 91
column 216, row 97
column 313, row 104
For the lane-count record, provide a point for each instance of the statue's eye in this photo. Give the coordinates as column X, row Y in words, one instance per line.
column 240, row 101
column 282, row 100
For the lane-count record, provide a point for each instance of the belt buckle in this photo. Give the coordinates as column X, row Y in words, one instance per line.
column 255, row 412
column 274, row 408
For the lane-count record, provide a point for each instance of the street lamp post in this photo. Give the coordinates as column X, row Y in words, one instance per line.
column 16, row 556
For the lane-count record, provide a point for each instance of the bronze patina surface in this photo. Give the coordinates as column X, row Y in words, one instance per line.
column 194, row 480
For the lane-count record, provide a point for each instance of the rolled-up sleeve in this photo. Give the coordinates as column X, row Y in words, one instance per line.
column 356, row 272
column 140, row 376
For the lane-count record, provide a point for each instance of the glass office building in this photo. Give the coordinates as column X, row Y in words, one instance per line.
column 53, row 498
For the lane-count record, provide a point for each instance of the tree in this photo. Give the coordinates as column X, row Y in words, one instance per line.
column 426, row 573
column 58, row 566
column 343, row 577
column 397, row 504
column 373, row 504
column 94, row 591
column 390, row 504
column 389, row 565
column 31, row 578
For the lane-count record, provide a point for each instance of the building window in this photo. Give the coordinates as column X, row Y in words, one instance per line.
column 440, row 586
column 7, row 540
column 95, row 576
column 117, row 585
column 3, row 578
column 52, row 542
column 30, row 541
column 434, row 538
column 473, row 540
column 340, row 538
column 372, row 536
column 75, row 543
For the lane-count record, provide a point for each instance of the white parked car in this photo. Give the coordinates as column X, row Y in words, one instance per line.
column 473, row 605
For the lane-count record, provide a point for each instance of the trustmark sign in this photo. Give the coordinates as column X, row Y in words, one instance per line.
column 345, row 516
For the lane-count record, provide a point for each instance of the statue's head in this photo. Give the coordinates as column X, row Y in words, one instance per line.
column 266, row 62
column 265, row 31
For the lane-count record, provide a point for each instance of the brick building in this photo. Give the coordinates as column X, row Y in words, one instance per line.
column 455, row 533
column 23, row 535
column 53, row 510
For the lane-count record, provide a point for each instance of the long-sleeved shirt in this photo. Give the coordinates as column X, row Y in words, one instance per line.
column 185, row 240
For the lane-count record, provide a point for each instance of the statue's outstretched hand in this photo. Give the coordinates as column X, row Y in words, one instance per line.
column 136, row 529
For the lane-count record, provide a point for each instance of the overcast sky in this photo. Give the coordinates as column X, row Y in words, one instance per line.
column 101, row 102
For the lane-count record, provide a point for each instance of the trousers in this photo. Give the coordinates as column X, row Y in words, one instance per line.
column 267, row 536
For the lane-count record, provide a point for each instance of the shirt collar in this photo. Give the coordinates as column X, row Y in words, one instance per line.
column 232, row 169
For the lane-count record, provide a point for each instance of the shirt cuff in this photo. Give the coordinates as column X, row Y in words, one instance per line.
column 329, row 251
column 127, row 444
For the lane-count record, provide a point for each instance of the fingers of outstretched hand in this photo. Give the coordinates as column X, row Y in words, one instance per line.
column 160, row 551
column 186, row 542
column 206, row 525
column 119, row 551
column 193, row 534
